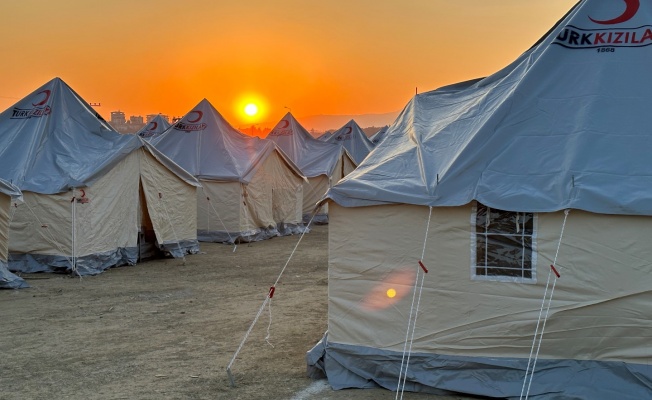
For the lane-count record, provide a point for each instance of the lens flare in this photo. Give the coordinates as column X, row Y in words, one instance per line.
column 388, row 291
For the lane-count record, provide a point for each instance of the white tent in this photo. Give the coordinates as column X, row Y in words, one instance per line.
column 251, row 190
column 379, row 136
column 324, row 136
column 354, row 140
column 154, row 127
column 564, row 127
column 8, row 192
column 88, row 191
column 322, row 163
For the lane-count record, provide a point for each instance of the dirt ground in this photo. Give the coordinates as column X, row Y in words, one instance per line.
column 165, row 330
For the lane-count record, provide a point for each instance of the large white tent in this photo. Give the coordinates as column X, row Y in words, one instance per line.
column 322, row 163
column 90, row 195
column 153, row 128
column 498, row 162
column 354, row 140
column 251, row 190
column 8, row 192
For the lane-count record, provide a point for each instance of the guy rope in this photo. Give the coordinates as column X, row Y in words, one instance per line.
column 553, row 274
column 414, row 310
column 268, row 300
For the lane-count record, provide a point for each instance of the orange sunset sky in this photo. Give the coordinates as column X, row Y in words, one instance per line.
column 315, row 57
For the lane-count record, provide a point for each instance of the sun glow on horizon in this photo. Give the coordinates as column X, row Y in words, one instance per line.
column 251, row 109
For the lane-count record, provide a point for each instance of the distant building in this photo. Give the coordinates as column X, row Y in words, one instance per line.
column 119, row 122
column 118, row 118
column 255, row 131
column 136, row 123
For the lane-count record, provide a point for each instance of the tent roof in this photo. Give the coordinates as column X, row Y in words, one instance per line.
column 155, row 127
column 52, row 141
column 379, row 136
column 312, row 156
column 324, row 136
column 566, row 125
column 207, row 146
column 9, row 189
column 354, row 140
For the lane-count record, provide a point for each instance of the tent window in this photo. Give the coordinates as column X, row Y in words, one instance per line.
column 504, row 245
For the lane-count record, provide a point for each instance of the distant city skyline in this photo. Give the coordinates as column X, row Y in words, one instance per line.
column 316, row 124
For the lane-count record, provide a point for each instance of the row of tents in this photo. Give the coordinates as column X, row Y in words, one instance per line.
column 323, row 161
column 498, row 207
column 87, row 198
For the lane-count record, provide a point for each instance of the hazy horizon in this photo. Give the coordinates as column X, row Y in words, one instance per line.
column 335, row 58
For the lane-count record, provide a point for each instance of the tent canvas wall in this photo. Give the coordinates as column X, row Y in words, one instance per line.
column 8, row 192
column 354, row 140
column 564, row 127
column 474, row 335
column 323, row 164
column 251, row 190
column 81, row 182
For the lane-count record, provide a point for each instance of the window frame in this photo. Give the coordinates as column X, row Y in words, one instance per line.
column 502, row 278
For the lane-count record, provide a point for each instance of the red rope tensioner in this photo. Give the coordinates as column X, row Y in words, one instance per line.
column 271, row 291
column 423, row 267
column 555, row 271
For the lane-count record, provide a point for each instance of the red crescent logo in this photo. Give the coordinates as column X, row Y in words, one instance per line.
column 199, row 115
column 630, row 11
column 349, row 130
column 47, row 96
column 287, row 123
column 154, row 125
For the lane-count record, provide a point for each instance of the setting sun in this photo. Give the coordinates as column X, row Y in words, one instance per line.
column 251, row 109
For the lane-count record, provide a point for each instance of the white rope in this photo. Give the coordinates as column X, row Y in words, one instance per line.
column 268, row 299
column 543, row 326
column 73, row 249
column 235, row 246
column 269, row 326
column 245, row 195
column 412, row 323
column 11, row 217
column 414, row 328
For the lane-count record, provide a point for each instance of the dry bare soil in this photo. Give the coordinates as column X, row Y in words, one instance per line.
column 167, row 330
